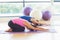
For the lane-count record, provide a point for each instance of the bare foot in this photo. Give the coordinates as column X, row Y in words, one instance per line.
column 9, row 30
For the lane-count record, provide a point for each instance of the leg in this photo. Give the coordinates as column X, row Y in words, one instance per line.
column 15, row 27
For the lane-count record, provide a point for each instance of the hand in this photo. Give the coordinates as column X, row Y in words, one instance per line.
column 42, row 29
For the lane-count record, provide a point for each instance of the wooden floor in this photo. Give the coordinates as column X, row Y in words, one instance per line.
column 32, row 35
column 26, row 36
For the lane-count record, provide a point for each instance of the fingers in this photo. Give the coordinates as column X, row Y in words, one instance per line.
column 45, row 30
column 42, row 29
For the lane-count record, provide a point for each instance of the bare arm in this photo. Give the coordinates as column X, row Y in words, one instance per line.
column 28, row 25
column 35, row 21
column 44, row 22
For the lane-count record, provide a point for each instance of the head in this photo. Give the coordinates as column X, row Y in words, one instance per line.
column 46, row 15
column 27, row 11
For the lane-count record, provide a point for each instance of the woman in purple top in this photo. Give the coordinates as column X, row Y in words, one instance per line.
column 19, row 24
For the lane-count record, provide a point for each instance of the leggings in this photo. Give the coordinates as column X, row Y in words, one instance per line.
column 15, row 27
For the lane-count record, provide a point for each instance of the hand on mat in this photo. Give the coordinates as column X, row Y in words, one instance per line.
column 42, row 29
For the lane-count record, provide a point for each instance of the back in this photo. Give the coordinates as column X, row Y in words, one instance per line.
column 18, row 21
column 28, row 18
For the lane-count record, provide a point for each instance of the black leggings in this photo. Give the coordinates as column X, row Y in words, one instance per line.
column 15, row 27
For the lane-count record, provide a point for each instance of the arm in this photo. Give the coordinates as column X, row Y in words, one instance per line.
column 44, row 22
column 28, row 25
column 34, row 21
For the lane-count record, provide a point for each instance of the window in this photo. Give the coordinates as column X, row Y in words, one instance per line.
column 14, row 7
column 9, row 0
column 10, row 8
column 41, row 5
column 37, row 0
column 56, row 5
column 56, row 0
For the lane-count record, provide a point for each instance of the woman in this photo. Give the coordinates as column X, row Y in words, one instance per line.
column 19, row 24
column 34, row 22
